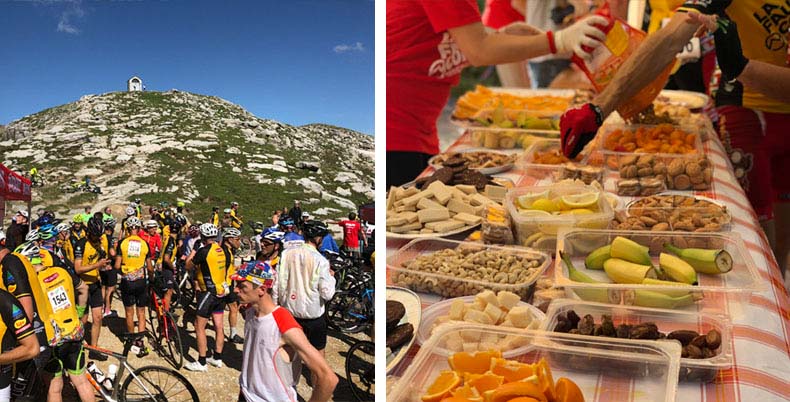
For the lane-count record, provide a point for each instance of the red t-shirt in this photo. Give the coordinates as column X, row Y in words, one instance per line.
column 154, row 243
column 351, row 231
column 423, row 63
column 499, row 13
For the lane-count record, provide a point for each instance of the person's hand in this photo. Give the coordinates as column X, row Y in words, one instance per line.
column 521, row 28
column 585, row 32
column 578, row 126
column 729, row 53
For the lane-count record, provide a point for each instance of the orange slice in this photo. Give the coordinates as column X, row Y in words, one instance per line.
column 441, row 387
column 468, row 393
column 545, row 379
column 484, row 382
column 567, row 391
column 524, row 399
column 512, row 370
column 477, row 363
column 517, row 389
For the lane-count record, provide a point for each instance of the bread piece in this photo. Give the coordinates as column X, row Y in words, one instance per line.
column 471, row 347
column 432, row 225
column 470, row 336
column 410, row 216
column 478, row 317
column 520, row 316
column 394, row 195
column 456, row 310
column 426, row 231
column 454, row 342
column 496, row 193
column 479, row 199
column 467, row 188
column 397, row 220
column 427, row 203
column 406, row 208
column 440, row 192
column 507, row 300
column 494, row 313
column 448, row 226
column 458, row 206
column 489, row 297
column 468, row 219
column 406, row 228
column 414, row 199
column 433, row 215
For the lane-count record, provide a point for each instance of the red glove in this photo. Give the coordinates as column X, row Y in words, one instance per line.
column 578, row 126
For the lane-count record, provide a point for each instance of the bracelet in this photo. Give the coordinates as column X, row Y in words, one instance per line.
column 552, row 45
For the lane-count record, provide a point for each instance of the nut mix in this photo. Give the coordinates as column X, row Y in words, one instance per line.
column 453, row 272
column 673, row 213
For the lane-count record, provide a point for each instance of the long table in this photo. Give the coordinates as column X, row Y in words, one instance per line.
column 761, row 323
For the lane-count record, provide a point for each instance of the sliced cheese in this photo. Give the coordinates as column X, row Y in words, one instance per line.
column 455, row 205
column 427, row 203
column 432, row 215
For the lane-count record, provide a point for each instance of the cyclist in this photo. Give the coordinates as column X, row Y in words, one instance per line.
column 86, row 215
column 130, row 212
column 231, row 241
column 109, row 275
column 271, row 246
column 167, row 260
column 235, row 218
column 227, row 220
column 151, row 236
column 138, row 206
column 132, row 261
column 209, row 262
column 62, row 343
column 214, row 220
column 287, row 225
column 90, row 255
column 62, row 249
column 77, row 229
column 305, row 283
column 16, row 343
column 269, row 329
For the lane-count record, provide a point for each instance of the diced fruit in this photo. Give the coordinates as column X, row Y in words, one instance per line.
column 477, row 363
column 441, row 387
column 511, row 370
column 484, row 382
column 567, row 391
column 517, row 389
column 585, row 200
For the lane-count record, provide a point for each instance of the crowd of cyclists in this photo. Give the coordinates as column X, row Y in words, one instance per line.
column 57, row 286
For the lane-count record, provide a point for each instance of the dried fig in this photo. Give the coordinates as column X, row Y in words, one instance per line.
column 693, row 169
column 694, row 352
column 676, row 167
column 699, row 341
column 587, row 325
column 681, row 182
column 713, row 339
column 684, row 336
column 624, row 331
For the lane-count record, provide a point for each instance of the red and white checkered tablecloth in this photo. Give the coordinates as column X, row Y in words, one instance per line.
column 761, row 322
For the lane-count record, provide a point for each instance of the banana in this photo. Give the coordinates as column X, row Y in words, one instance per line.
column 671, row 293
column 622, row 271
column 631, row 251
column 677, row 269
column 595, row 295
column 650, row 298
column 715, row 261
column 596, row 259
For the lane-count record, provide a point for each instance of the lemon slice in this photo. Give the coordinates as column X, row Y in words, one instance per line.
column 534, row 213
column 544, row 204
column 580, row 201
column 525, row 201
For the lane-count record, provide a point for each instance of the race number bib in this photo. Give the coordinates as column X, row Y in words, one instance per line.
column 59, row 299
column 133, row 249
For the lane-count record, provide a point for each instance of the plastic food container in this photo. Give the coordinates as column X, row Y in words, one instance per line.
column 689, row 172
column 507, row 138
column 622, row 370
column 671, row 211
column 451, row 284
column 740, row 282
column 556, row 172
column 704, row 370
column 442, row 308
column 540, row 232
column 606, row 131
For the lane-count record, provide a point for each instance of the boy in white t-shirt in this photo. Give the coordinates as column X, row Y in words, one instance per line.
column 274, row 344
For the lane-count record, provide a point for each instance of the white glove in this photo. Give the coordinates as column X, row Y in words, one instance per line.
column 581, row 33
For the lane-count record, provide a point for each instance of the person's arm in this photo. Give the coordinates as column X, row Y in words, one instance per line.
column 189, row 264
column 28, row 348
column 767, row 79
column 27, row 305
column 81, row 269
column 327, row 379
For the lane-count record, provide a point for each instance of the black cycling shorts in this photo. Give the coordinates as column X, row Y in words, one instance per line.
column 95, row 299
column 315, row 329
column 168, row 279
column 208, row 304
column 134, row 293
column 69, row 356
column 109, row 278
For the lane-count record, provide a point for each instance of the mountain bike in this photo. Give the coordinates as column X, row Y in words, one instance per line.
column 351, row 311
column 148, row 383
column 360, row 370
column 347, row 269
column 164, row 332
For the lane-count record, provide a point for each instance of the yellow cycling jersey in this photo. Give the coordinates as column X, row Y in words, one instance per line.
column 59, row 311
column 660, row 10
column 763, row 29
column 133, row 252
column 211, row 263
column 234, row 220
column 215, row 219
column 89, row 255
column 170, row 248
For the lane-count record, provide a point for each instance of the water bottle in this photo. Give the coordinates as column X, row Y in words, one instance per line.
column 108, row 381
column 96, row 372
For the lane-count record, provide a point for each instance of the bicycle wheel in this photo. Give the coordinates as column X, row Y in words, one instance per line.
column 169, row 334
column 155, row 383
column 360, row 370
column 347, row 312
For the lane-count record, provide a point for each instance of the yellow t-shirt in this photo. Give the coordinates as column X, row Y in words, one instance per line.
column 133, row 252
column 234, row 221
column 90, row 255
column 762, row 27
column 211, row 264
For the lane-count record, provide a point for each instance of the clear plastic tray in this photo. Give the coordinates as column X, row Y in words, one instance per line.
column 507, row 138
column 556, row 172
column 741, row 281
column 687, row 172
column 619, row 369
column 450, row 284
column 605, row 131
column 528, row 228
column 709, row 215
column 704, row 370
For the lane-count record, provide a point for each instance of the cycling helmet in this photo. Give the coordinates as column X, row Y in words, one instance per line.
column 62, row 227
column 285, row 222
column 109, row 223
column 272, row 234
column 31, row 251
column 180, row 204
column 215, row 209
column 46, row 218
column 315, row 229
column 137, row 201
column 77, row 218
column 133, row 222
column 234, row 204
column 164, row 204
column 151, row 224
column 230, row 233
column 180, row 221
column 226, row 210
column 95, row 227
column 208, row 230
column 32, row 235
column 193, row 231
column 131, row 211
column 47, row 232
column 168, row 213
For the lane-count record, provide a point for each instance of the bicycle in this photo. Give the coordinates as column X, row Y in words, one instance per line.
column 163, row 327
column 351, row 311
column 148, row 383
column 184, row 292
column 360, row 370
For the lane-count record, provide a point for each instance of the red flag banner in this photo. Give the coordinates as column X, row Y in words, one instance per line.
column 13, row 186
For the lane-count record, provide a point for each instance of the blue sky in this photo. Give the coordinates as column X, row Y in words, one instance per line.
column 293, row 61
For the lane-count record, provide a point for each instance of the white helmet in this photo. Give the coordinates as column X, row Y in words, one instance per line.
column 30, row 251
column 230, row 233
column 208, row 230
column 130, row 211
column 133, row 222
column 151, row 224
column 32, row 235
column 62, row 227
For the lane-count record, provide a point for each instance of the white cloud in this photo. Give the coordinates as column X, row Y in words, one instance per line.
column 343, row 48
column 68, row 17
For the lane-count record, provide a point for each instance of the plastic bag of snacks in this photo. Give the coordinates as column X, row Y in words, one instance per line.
column 622, row 40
